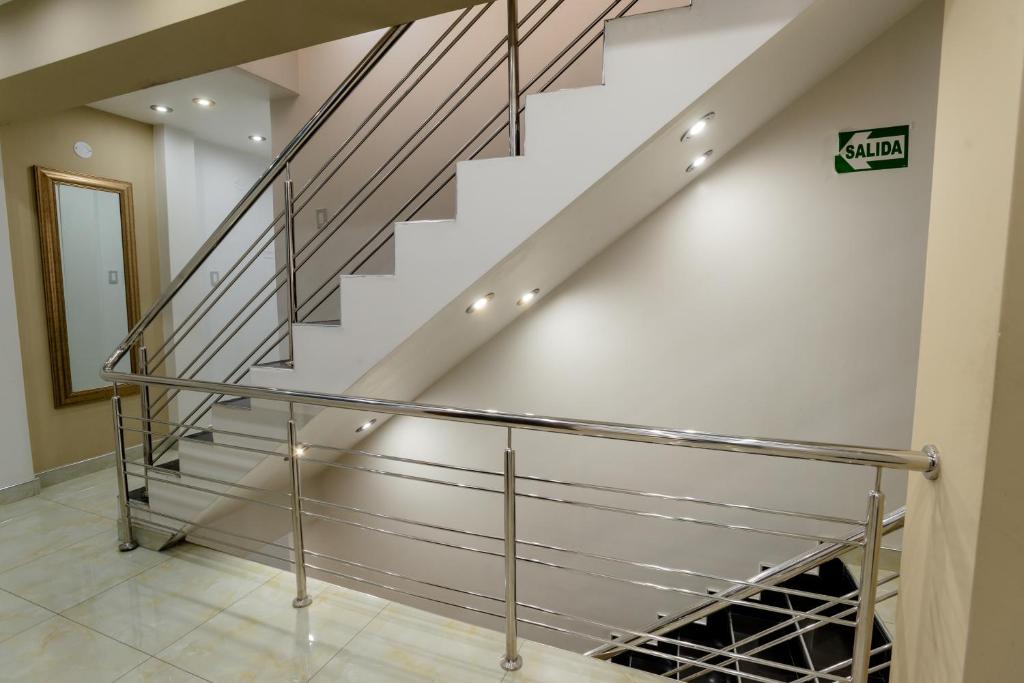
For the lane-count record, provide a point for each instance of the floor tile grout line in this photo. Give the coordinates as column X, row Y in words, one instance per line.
column 63, row 547
column 356, row 634
column 34, row 604
column 124, row 580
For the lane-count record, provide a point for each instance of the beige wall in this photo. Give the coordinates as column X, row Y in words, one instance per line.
column 123, row 150
column 962, row 594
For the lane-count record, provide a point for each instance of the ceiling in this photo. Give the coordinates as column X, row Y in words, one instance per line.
column 242, row 109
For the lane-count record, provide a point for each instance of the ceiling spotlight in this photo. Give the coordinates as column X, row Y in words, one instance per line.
column 257, row 138
column 366, row 425
column 300, row 449
column 205, row 102
column 700, row 161
column 527, row 298
column 161, row 108
column 481, row 303
column 698, row 128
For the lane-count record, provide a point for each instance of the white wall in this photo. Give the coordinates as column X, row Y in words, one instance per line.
column 16, row 457
column 769, row 298
column 198, row 183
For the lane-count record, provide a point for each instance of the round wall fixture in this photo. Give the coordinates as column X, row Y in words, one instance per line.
column 83, row 149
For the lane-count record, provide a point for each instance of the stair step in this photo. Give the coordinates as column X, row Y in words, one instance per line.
column 204, row 435
column 335, row 322
column 170, row 465
column 237, row 403
column 279, row 364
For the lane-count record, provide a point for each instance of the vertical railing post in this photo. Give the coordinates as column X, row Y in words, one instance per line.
column 289, row 230
column 147, row 417
column 302, row 598
column 125, row 535
column 511, row 660
column 514, row 139
column 868, row 583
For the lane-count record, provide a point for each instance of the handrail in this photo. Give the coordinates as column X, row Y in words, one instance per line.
column 273, row 172
column 793, row 567
column 926, row 461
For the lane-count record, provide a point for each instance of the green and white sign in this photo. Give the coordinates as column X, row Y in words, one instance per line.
column 873, row 149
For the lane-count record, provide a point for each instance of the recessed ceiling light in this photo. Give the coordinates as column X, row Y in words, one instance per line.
column 481, row 303
column 256, row 138
column 700, row 161
column 161, row 108
column 203, row 102
column 300, row 449
column 367, row 425
column 527, row 298
column 698, row 128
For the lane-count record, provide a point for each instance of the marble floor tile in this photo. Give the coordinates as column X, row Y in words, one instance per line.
column 152, row 610
column 546, row 664
column 58, row 650
column 95, row 493
column 27, row 537
column 154, row 671
column 17, row 615
column 263, row 638
column 25, row 506
column 403, row 644
column 66, row 577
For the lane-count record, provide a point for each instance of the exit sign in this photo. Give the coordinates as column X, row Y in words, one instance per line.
column 873, row 149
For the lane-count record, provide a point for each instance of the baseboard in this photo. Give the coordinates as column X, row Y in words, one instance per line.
column 81, row 468
column 16, row 492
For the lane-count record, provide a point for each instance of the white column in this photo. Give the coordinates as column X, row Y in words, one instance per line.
column 16, row 454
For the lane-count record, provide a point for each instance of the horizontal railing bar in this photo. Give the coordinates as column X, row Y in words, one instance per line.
column 211, row 480
column 164, row 527
column 785, row 624
column 685, row 591
column 394, row 458
column 410, row 477
column 685, row 572
column 690, row 520
column 679, row 659
column 277, row 166
column 690, row 499
column 216, row 444
column 382, row 586
column 545, row 546
column 403, row 520
column 782, row 572
column 396, row 575
column 849, row 455
column 141, row 507
column 681, row 643
column 172, row 482
column 202, row 428
column 399, row 534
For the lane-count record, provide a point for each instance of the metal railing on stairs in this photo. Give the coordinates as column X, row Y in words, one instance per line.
column 515, row 550
column 180, row 360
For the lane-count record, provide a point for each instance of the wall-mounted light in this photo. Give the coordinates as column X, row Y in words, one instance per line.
column 700, row 161
column 481, row 303
column 161, row 108
column 204, row 102
column 256, row 138
column 527, row 298
column 698, row 128
column 367, row 425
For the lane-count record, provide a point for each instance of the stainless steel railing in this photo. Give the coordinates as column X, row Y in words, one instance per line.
column 855, row 610
column 220, row 346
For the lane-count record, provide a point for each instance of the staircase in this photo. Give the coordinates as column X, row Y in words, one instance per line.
column 761, row 640
column 225, row 462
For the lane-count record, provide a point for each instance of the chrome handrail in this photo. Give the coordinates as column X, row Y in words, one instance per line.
column 793, row 567
column 926, row 461
column 273, row 172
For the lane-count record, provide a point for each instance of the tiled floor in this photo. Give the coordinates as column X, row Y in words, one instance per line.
column 73, row 608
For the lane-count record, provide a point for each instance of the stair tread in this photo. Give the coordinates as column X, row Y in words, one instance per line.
column 237, row 403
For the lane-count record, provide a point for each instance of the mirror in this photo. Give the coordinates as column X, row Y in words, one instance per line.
column 90, row 281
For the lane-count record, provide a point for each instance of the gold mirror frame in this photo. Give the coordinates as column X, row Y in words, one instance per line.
column 53, row 278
